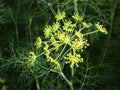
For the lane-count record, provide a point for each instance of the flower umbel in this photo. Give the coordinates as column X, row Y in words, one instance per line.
column 60, row 16
column 73, row 59
column 47, row 31
column 38, row 42
column 55, row 27
column 85, row 25
column 32, row 58
column 77, row 17
column 101, row 28
column 65, row 33
column 68, row 26
column 55, row 63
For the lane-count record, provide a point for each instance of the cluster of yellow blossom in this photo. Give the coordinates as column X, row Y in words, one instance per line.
column 59, row 34
column 77, row 17
column 64, row 32
column 73, row 59
column 38, row 42
column 60, row 16
column 32, row 58
column 101, row 28
column 55, row 63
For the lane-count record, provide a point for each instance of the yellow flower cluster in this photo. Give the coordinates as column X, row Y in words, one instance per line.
column 68, row 26
column 64, row 33
column 77, row 17
column 79, row 42
column 73, row 59
column 55, row 63
column 32, row 58
column 101, row 28
column 60, row 16
column 85, row 25
column 46, row 49
column 47, row 31
column 38, row 42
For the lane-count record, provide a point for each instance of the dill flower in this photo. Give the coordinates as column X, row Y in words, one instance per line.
column 101, row 28
column 32, row 58
column 85, row 25
column 77, row 17
column 54, row 43
column 79, row 42
column 68, row 26
column 47, row 31
column 74, row 60
column 55, row 63
column 46, row 49
column 66, row 33
column 55, row 26
column 61, row 36
column 38, row 42
column 60, row 16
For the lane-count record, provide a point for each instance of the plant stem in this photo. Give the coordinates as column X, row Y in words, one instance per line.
column 29, row 29
column 51, row 7
column 35, row 76
column 75, row 7
column 61, row 51
column 72, row 74
column 86, row 72
column 16, row 28
column 91, row 32
column 37, row 83
column 69, row 83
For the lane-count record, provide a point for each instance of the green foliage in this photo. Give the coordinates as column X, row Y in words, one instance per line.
column 46, row 49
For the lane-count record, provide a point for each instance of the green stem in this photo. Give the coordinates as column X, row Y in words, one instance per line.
column 86, row 2
column 51, row 7
column 76, row 11
column 52, row 49
column 69, row 83
column 61, row 51
column 91, row 32
column 29, row 30
column 72, row 74
column 35, row 76
column 37, row 83
column 83, row 83
column 16, row 28
column 75, row 7
column 85, row 76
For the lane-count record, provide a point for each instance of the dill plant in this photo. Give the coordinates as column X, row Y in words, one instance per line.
column 60, row 50
column 67, row 41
